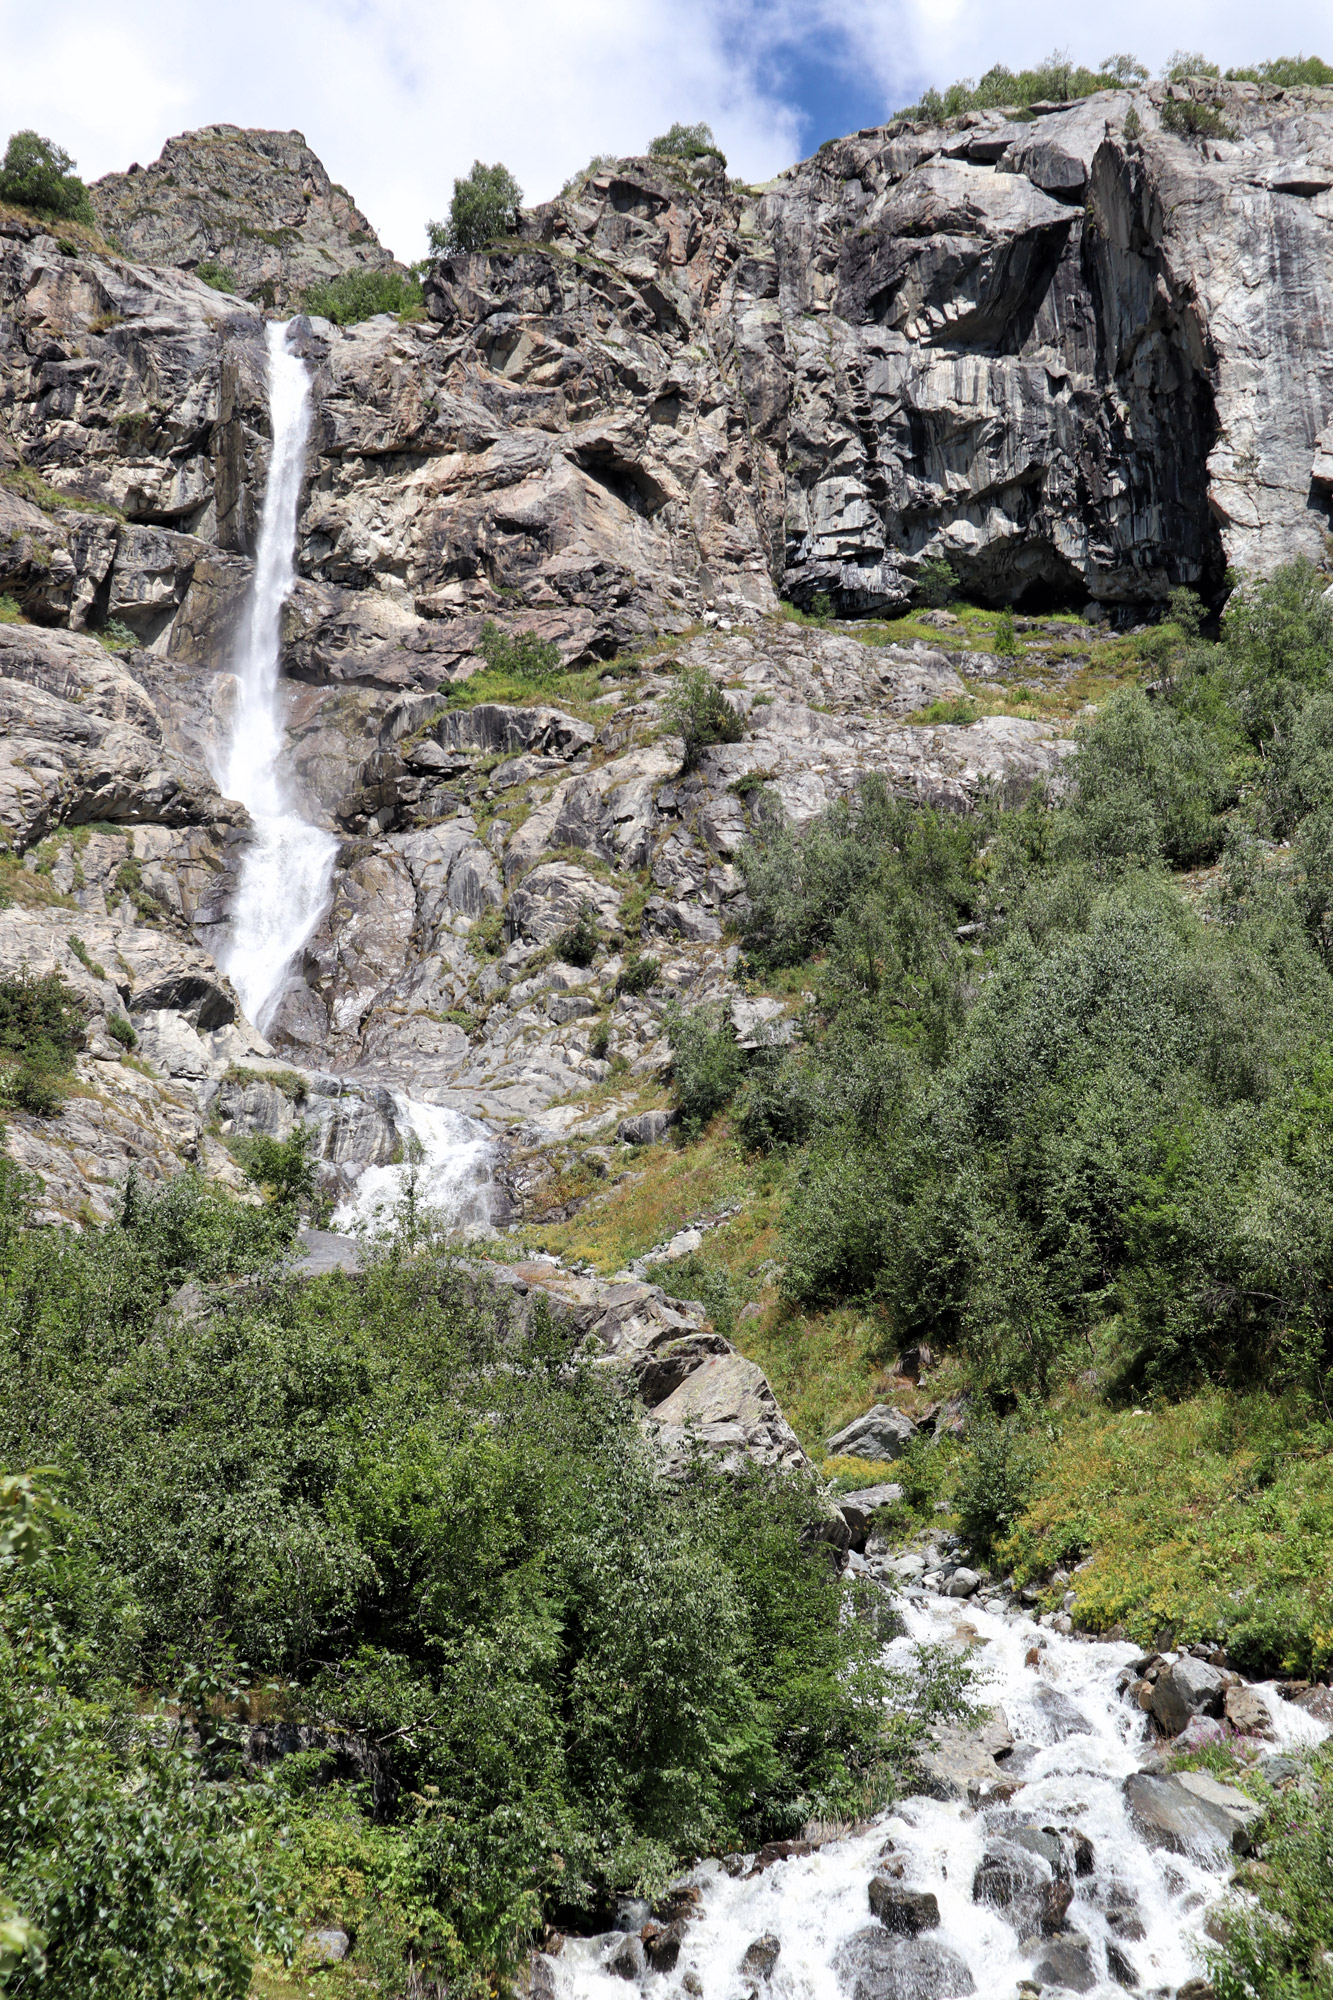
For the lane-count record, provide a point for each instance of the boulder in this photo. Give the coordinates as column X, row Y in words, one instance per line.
column 1247, row 1711
column 327, row 1947
column 873, row 1964
column 963, row 1583
column 1060, row 1718
column 1066, row 1962
column 1188, row 1688
column 1190, row 1813
column 958, row 1757
column 858, row 1508
column 761, row 1956
column 883, row 1433
column 647, row 1129
column 903, row 1911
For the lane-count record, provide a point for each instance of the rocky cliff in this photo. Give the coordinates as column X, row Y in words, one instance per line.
column 1083, row 361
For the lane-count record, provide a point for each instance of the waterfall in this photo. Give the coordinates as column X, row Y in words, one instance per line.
column 450, row 1155
column 285, row 875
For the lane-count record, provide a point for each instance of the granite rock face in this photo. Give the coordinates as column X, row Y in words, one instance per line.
column 257, row 204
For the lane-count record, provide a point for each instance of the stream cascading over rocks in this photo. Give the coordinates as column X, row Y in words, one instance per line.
column 286, row 876
column 1041, row 1877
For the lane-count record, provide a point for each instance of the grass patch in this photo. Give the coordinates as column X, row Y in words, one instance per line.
column 23, row 480
column 670, row 1187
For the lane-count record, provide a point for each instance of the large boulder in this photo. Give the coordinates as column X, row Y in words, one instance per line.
column 959, row 1757
column 883, row 1433
column 873, row 1964
column 1190, row 1813
column 1188, row 1688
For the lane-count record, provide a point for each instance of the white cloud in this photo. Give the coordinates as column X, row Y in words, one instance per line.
column 399, row 96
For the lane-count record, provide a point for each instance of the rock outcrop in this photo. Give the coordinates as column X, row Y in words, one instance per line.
column 256, row 208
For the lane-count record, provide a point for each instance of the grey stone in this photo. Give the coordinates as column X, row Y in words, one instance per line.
column 904, row 1911
column 857, row 1508
column 648, row 1129
column 874, row 1965
column 1066, row 1962
column 963, row 1583
column 958, row 1756
column 883, row 1433
column 761, row 1956
column 1190, row 1812
column 1187, row 1688
column 327, row 1947
column 1061, row 1718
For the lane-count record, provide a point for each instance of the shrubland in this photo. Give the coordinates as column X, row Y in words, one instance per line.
column 427, row 1528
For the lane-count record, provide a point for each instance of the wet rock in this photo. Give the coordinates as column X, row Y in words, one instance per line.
column 761, row 1956
column 1066, row 1962
column 1009, row 1877
column 1186, row 1689
column 883, row 1433
column 873, row 1965
column 1061, row 1719
column 904, row 1911
column 1190, row 1812
column 958, row 1756
column 661, row 1944
column 1247, row 1711
column 628, row 1958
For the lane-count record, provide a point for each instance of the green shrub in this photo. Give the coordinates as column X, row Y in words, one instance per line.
column 10, row 613
column 282, row 1168
column 699, row 713
column 39, row 175
column 706, row 1064
column 1148, row 785
column 121, row 1030
column 579, row 943
column 116, row 636
column 1004, row 638
column 935, row 582
column 41, row 1031
column 220, row 277
column 599, row 1041
column 360, row 294
column 1286, row 73
column 693, row 1277
column 686, row 142
column 1056, row 77
column 1193, row 120
column 524, row 656
column 1277, row 641
column 485, row 205
column 638, row 974
column 993, row 1480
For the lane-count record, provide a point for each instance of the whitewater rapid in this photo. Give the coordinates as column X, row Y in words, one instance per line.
column 1073, row 1754
column 285, row 881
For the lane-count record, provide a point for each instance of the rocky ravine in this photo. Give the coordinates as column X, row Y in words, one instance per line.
column 1069, row 360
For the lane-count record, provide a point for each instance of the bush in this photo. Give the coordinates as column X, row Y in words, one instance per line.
column 522, row 656
column 485, row 205
column 1005, row 640
column 686, row 142
column 1277, row 639
column 282, row 1168
column 1275, row 1941
column 1194, row 120
column 360, row 294
column 1148, row 785
column 1056, row 77
column 994, row 1479
column 219, row 277
column 39, row 175
column 638, row 974
column 580, row 942
column 936, row 583
column 1286, row 73
column 121, row 1030
column 42, row 1025
column 699, row 713
column 707, row 1064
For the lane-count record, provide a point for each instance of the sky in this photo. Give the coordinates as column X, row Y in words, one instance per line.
column 399, row 96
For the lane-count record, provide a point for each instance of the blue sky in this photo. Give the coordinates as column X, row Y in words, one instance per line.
column 399, row 96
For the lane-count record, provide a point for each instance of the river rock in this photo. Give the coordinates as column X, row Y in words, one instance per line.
column 761, row 1956
column 873, row 1965
column 1066, row 1962
column 1060, row 1717
column 958, row 1756
column 905, row 1911
column 882, row 1433
column 963, row 1583
column 858, row 1509
column 1247, row 1711
column 1190, row 1812
column 1187, row 1688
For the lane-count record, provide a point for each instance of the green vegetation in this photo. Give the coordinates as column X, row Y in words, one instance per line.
column 38, row 175
column 1055, row 79
column 686, row 142
column 220, row 277
column 579, row 943
column 360, row 294
column 485, row 205
column 699, row 713
column 1277, row 1943
column 639, row 973
column 121, row 1030
column 520, row 656
column 41, row 1032
column 10, row 614
column 936, row 583
column 536, row 1674
column 1194, row 120
column 1286, row 73
column 23, row 480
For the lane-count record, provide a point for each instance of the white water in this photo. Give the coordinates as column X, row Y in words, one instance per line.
column 812, row 1904
column 288, row 867
column 448, row 1170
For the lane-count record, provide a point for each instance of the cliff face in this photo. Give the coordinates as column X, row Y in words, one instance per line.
column 258, row 204
column 1077, row 363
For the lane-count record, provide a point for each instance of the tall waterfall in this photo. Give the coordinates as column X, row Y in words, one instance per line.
column 284, row 880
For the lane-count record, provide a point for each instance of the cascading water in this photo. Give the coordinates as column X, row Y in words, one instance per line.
column 452, row 1171
column 285, row 876
column 1137, row 1915
column 287, row 872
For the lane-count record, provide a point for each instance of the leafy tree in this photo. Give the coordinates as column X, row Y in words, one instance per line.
column 1286, row 73
column 578, row 943
column 686, row 142
column 38, row 174
column 485, row 205
column 42, row 1024
column 936, row 583
column 706, row 1063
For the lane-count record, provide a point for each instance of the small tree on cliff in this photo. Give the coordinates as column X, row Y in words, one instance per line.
column 37, row 174
column 686, row 142
column 485, row 205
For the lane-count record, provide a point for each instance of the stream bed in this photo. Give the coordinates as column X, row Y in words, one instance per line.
column 1047, row 1877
